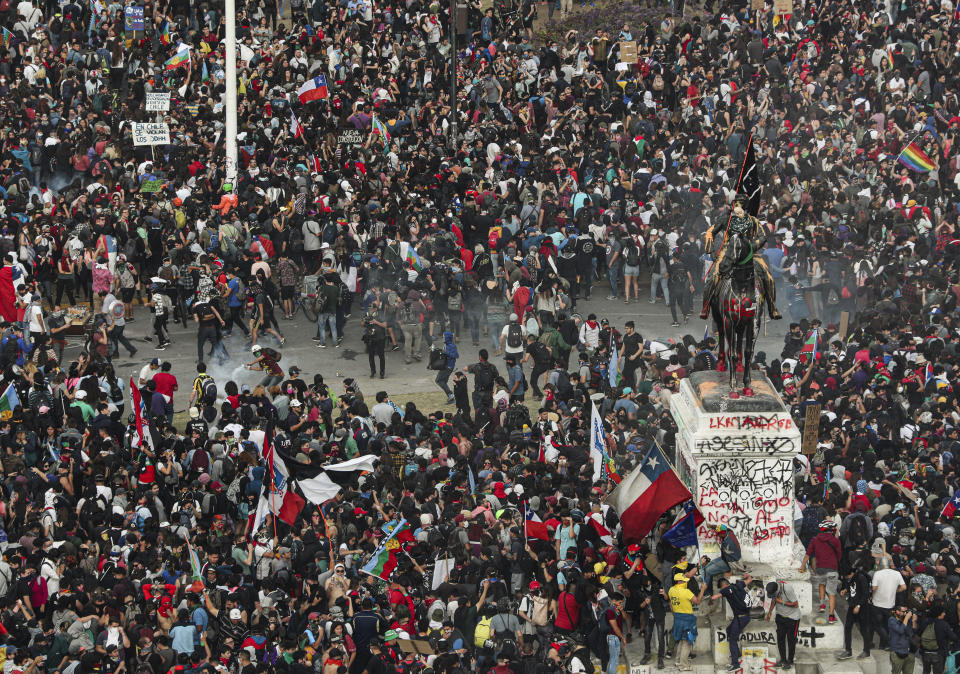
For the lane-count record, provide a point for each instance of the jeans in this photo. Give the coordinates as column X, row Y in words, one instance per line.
column 116, row 334
column 473, row 322
column 715, row 567
column 659, row 280
column 933, row 662
column 496, row 327
column 734, row 630
column 613, row 648
column 323, row 320
column 209, row 333
column 613, row 277
column 787, row 637
column 442, row 377
column 877, row 624
column 654, row 624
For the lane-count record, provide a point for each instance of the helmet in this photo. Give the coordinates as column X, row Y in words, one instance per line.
column 826, row 525
column 256, row 348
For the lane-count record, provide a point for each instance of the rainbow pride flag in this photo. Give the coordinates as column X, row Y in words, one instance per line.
column 916, row 159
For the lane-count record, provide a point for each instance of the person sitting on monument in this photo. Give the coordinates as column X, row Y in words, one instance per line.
column 750, row 228
column 729, row 555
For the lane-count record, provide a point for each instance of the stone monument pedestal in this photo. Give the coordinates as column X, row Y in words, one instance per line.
column 736, row 458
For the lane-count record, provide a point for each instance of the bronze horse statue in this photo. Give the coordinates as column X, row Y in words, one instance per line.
column 737, row 307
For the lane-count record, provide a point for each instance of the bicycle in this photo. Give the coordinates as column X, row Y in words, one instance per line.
column 306, row 300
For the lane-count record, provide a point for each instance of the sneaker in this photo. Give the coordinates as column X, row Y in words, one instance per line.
column 846, row 655
column 160, row 347
column 321, row 345
column 317, row 338
column 822, row 609
column 787, row 666
column 865, row 655
column 653, row 301
column 451, row 401
column 396, row 347
column 383, row 376
column 340, row 341
column 675, row 324
column 832, row 619
column 660, row 664
column 733, row 668
column 612, row 297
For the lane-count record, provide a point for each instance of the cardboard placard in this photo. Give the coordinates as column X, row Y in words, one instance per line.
column 418, row 646
column 844, row 325
column 349, row 137
column 757, row 4
column 157, row 101
column 628, row 51
column 811, row 430
column 783, row 6
column 150, row 133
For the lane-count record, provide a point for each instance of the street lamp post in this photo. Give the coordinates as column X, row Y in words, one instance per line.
column 230, row 39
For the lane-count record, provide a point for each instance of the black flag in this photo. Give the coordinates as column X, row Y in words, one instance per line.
column 749, row 184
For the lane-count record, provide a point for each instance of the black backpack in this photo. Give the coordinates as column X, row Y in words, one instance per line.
column 857, row 534
column 273, row 354
column 541, row 354
column 633, row 255
column 810, row 525
column 517, row 415
column 514, row 336
column 208, row 387
column 483, row 377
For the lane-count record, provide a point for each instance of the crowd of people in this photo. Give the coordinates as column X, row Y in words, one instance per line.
column 134, row 540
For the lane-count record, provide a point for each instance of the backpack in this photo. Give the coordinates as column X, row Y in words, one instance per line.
column 493, row 238
column 208, row 388
column 540, row 611
column 928, row 638
column 276, row 356
column 857, row 535
column 482, row 632
column 514, row 336
column 633, row 256
column 515, row 418
column 541, row 354
column 200, row 461
column 483, row 378
column 810, row 525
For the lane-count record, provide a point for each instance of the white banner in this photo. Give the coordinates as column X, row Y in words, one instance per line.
column 158, row 102
column 151, row 134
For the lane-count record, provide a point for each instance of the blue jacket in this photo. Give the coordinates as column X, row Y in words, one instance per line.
column 450, row 349
column 899, row 636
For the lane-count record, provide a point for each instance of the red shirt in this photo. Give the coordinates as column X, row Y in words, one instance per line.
column 166, row 383
column 568, row 612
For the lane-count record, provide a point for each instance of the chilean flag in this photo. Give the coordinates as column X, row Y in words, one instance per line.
column 534, row 527
column 295, row 127
column 953, row 505
column 595, row 520
column 650, row 490
column 313, row 90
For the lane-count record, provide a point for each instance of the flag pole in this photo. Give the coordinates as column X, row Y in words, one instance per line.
column 723, row 242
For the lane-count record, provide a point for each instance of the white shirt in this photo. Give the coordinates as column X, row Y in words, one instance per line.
column 885, row 584
column 35, row 317
column 505, row 334
column 146, row 374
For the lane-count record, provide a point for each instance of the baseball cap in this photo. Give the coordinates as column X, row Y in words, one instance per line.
column 235, row 614
column 390, row 635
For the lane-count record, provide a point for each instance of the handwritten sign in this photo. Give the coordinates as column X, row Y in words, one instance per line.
column 756, row 4
column 628, row 52
column 783, row 6
column 158, row 101
column 150, row 186
column 150, row 134
column 349, row 137
column 811, row 430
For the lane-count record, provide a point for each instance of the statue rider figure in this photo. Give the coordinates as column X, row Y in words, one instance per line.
column 754, row 234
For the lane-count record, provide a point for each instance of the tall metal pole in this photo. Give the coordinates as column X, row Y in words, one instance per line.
column 453, row 73
column 231, row 121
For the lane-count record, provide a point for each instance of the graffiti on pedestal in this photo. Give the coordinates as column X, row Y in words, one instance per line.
column 752, row 497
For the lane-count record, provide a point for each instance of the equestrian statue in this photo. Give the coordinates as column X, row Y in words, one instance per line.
column 738, row 285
